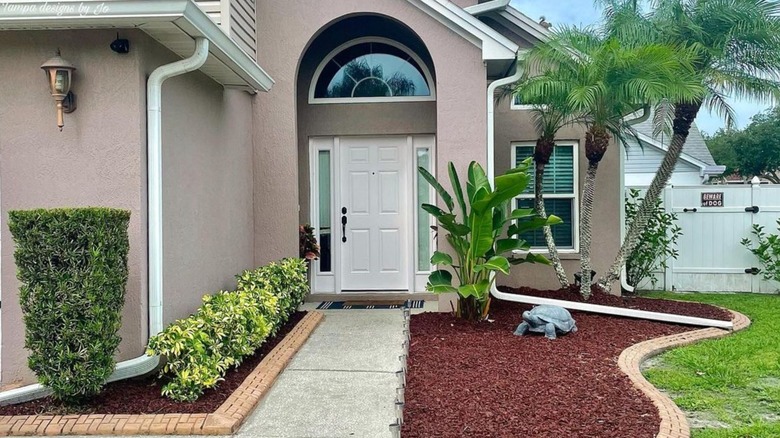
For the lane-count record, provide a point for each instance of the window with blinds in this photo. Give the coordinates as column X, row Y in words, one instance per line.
column 559, row 189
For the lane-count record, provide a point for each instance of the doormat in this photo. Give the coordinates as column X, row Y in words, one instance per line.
column 363, row 305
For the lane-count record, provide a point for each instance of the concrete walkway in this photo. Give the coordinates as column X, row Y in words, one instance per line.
column 342, row 383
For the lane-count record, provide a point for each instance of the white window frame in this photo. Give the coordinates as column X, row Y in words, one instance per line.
column 326, row 100
column 576, row 196
column 423, row 143
column 518, row 107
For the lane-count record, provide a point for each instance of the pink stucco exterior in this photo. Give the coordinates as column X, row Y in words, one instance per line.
column 235, row 165
column 100, row 160
column 460, row 117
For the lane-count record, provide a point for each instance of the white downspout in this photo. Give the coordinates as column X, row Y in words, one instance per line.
column 142, row 364
column 491, row 118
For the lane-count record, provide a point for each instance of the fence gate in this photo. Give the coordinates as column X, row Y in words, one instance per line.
column 714, row 219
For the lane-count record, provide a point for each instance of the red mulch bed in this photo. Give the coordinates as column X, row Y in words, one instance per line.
column 480, row 380
column 628, row 302
column 142, row 395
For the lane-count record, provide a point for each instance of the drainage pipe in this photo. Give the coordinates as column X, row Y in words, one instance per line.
column 614, row 311
column 142, row 364
column 491, row 118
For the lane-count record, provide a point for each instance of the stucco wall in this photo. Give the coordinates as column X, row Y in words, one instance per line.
column 207, row 184
column 516, row 126
column 460, row 118
column 98, row 160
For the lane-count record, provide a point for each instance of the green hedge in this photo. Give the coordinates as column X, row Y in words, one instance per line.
column 228, row 327
column 72, row 265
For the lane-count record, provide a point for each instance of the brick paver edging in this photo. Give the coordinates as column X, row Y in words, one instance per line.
column 673, row 421
column 224, row 421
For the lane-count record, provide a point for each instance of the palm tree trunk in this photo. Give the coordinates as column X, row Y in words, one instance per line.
column 548, row 237
column 684, row 115
column 596, row 142
column 586, row 215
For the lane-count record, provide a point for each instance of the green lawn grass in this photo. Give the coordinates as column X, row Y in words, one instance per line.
column 732, row 384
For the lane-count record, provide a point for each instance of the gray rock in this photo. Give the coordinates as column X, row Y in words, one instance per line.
column 547, row 319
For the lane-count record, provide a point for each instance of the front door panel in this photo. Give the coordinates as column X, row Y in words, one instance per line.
column 374, row 195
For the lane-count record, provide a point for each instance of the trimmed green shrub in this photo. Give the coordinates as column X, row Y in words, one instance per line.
column 72, row 265
column 286, row 281
column 227, row 328
column 200, row 349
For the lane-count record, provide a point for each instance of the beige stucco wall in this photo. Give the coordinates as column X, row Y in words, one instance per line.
column 516, row 126
column 98, row 160
column 208, row 230
column 460, row 117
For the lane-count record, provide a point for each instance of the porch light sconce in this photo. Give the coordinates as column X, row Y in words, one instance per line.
column 59, row 75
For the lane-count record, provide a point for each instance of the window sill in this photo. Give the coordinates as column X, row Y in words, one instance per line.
column 564, row 254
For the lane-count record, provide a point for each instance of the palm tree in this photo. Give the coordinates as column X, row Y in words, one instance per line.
column 738, row 55
column 550, row 113
column 604, row 80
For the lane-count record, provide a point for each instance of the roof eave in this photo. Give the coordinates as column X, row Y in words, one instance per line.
column 121, row 14
column 495, row 47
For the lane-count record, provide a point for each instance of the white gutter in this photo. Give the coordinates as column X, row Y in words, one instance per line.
column 614, row 311
column 491, row 116
column 142, row 364
column 487, row 7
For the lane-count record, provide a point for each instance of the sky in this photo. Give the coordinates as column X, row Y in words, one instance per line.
column 583, row 13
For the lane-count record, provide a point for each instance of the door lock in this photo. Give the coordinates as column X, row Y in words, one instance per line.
column 753, row 209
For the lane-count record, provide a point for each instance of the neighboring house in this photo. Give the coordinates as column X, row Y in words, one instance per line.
column 695, row 166
column 364, row 93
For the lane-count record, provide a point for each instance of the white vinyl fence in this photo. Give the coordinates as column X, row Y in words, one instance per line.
column 714, row 220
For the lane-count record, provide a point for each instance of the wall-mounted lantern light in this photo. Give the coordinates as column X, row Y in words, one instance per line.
column 59, row 74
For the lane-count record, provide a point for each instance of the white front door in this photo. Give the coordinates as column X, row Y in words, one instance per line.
column 374, row 213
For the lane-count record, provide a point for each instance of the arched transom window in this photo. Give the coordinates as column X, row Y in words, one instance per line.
column 371, row 70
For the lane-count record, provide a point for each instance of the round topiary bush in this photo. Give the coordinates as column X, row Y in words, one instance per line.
column 72, row 265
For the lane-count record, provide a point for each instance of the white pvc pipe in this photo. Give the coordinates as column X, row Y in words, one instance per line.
column 142, row 364
column 491, row 110
column 614, row 311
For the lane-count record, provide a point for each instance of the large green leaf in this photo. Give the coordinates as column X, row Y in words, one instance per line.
column 448, row 222
column 530, row 258
column 506, row 245
column 441, row 258
column 508, row 186
column 440, row 281
column 481, row 234
column 445, row 196
column 433, row 210
column 458, row 189
column 479, row 290
column 521, row 213
column 477, row 182
column 496, row 263
column 533, row 224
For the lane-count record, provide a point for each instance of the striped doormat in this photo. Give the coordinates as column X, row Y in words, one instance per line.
column 362, row 305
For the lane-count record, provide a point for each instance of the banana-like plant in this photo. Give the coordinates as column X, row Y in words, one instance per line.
column 482, row 236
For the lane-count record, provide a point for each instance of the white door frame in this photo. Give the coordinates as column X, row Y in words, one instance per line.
column 331, row 282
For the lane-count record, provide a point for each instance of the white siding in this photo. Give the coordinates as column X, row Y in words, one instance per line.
column 237, row 18
column 642, row 164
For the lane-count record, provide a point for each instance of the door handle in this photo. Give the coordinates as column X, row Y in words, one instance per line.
column 753, row 209
column 692, row 210
column 343, row 224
